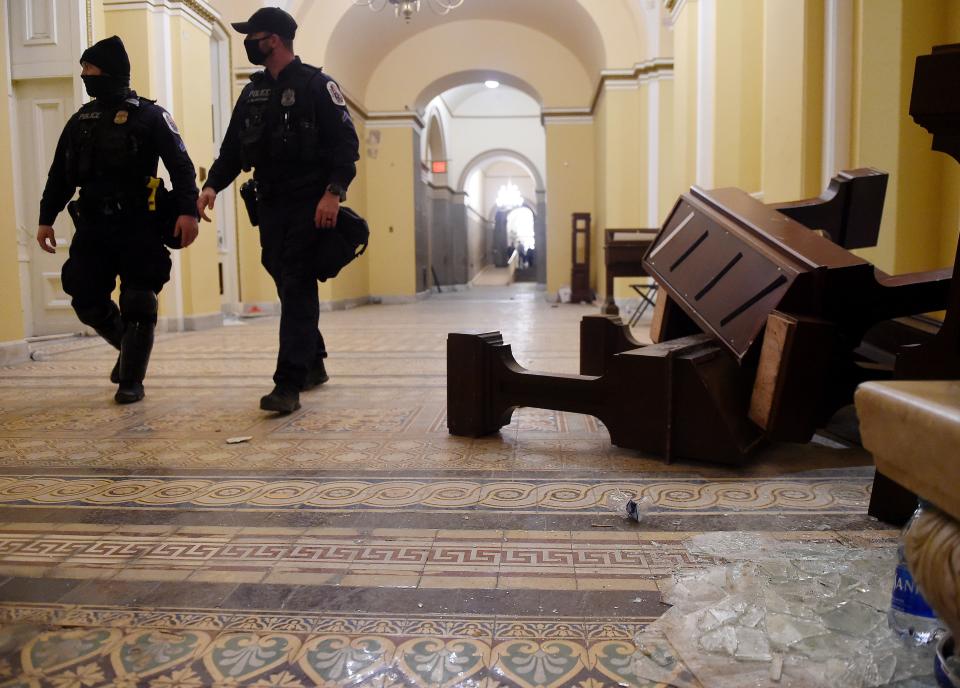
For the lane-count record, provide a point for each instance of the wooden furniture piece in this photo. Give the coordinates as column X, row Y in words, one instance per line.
column 732, row 268
column 757, row 329
column 934, row 105
column 623, row 251
column 580, row 274
column 912, row 428
column 647, row 293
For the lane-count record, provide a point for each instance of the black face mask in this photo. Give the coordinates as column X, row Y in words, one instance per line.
column 254, row 53
column 105, row 85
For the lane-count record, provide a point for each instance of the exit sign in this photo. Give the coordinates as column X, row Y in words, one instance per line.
column 439, row 167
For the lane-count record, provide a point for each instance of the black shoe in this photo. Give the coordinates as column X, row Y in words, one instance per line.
column 316, row 377
column 129, row 393
column 115, row 373
column 281, row 400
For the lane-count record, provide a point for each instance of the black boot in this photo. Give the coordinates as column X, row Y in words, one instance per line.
column 134, row 357
column 105, row 319
column 139, row 308
column 316, row 376
column 282, row 399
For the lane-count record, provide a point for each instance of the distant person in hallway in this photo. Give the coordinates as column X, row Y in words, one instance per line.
column 110, row 148
column 291, row 126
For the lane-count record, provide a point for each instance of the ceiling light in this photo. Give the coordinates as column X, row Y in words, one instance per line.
column 491, row 83
column 405, row 9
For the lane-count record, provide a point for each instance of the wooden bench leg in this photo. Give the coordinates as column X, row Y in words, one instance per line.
column 890, row 501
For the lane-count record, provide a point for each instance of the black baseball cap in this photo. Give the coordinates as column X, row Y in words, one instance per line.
column 271, row 19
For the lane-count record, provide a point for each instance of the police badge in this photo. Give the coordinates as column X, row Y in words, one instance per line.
column 121, row 117
column 288, row 97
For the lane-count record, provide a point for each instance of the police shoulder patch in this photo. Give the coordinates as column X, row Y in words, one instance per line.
column 335, row 95
column 168, row 118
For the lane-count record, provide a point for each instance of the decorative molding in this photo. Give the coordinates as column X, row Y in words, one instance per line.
column 198, row 12
column 566, row 116
column 630, row 78
column 673, row 8
column 343, row 304
column 611, row 80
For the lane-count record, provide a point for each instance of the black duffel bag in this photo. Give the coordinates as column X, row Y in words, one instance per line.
column 341, row 244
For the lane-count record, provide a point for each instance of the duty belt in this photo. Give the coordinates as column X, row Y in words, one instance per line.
column 117, row 202
column 295, row 187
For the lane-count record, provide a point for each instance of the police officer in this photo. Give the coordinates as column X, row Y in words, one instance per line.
column 110, row 149
column 292, row 127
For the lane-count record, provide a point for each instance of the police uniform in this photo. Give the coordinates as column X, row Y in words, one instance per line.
column 110, row 149
column 296, row 134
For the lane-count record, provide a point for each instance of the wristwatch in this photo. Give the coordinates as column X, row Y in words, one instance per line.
column 337, row 190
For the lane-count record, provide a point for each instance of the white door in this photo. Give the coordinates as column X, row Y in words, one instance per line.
column 46, row 38
column 225, row 219
column 43, row 107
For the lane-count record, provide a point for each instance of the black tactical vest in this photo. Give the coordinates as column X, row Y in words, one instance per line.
column 105, row 144
column 278, row 123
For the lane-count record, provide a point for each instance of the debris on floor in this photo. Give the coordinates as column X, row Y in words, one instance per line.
column 780, row 615
column 239, row 440
column 629, row 507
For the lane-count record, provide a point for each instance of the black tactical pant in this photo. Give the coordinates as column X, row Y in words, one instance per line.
column 290, row 242
column 105, row 248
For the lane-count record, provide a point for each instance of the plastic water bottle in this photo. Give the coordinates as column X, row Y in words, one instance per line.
column 910, row 616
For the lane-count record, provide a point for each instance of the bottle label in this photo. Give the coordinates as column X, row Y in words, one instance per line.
column 907, row 597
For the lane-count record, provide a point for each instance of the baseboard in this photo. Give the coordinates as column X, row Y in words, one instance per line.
column 190, row 323
column 193, row 323
column 260, row 308
column 344, row 304
column 14, row 352
column 391, row 300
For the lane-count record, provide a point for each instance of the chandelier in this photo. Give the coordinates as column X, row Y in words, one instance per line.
column 407, row 8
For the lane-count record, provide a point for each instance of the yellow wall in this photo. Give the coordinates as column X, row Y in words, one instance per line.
column 390, row 212
column 191, row 71
column 666, row 188
column 190, row 52
column 919, row 228
column 353, row 282
column 738, row 71
column 792, row 98
column 622, row 170
column 684, row 138
column 570, row 189
column 11, row 309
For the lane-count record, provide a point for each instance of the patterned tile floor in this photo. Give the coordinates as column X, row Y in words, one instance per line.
column 354, row 542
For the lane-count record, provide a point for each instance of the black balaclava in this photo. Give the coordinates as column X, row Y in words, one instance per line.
column 111, row 57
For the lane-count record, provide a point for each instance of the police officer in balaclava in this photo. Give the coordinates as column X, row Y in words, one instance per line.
column 110, row 149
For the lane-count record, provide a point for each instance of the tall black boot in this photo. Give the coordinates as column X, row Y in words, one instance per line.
column 134, row 357
column 139, row 309
column 105, row 319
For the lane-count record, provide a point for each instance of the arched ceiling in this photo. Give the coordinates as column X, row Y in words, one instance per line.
column 540, row 65
column 353, row 43
column 476, row 100
column 565, row 21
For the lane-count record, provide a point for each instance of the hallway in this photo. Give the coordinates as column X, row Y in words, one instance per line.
column 354, row 541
